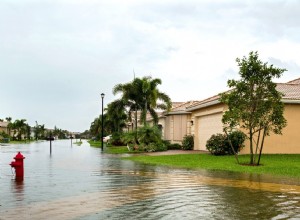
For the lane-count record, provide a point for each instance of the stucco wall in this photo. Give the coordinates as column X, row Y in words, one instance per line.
column 196, row 114
column 162, row 122
column 2, row 129
column 289, row 141
column 176, row 127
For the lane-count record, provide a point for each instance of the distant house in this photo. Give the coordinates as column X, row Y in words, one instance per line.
column 176, row 123
column 206, row 116
column 3, row 126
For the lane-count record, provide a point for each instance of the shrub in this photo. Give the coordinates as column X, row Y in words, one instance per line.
column 174, row 146
column 149, row 139
column 153, row 147
column 116, row 139
column 237, row 139
column 4, row 138
column 128, row 137
column 147, row 135
column 218, row 144
column 188, row 142
column 161, row 146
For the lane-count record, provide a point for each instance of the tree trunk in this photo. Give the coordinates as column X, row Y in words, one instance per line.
column 261, row 147
column 135, row 124
column 251, row 146
column 145, row 116
column 235, row 154
column 257, row 144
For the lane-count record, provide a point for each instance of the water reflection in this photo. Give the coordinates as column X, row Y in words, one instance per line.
column 80, row 182
column 17, row 189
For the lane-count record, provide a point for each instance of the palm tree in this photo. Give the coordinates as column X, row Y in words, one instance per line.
column 27, row 131
column 116, row 116
column 129, row 98
column 42, row 131
column 20, row 127
column 142, row 94
column 151, row 98
column 9, row 125
column 95, row 127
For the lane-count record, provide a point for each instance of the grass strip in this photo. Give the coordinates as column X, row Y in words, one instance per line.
column 274, row 164
column 21, row 142
column 95, row 143
column 120, row 150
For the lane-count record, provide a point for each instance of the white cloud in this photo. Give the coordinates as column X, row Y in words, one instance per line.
column 58, row 56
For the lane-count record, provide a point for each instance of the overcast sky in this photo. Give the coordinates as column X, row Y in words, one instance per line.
column 58, row 56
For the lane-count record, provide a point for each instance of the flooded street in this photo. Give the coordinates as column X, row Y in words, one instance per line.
column 79, row 182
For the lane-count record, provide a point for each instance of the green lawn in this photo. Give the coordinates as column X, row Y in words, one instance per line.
column 78, row 143
column 95, row 143
column 21, row 142
column 119, row 150
column 279, row 164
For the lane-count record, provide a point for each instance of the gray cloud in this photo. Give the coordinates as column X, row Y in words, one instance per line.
column 56, row 57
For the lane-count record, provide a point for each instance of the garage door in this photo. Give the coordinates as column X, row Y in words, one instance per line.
column 207, row 126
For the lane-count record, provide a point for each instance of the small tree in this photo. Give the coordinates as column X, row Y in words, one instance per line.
column 254, row 104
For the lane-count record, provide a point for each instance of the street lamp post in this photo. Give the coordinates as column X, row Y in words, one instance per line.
column 102, row 127
column 50, row 142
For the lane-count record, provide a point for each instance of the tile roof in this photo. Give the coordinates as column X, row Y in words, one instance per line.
column 183, row 106
column 290, row 91
column 180, row 109
column 205, row 101
column 295, row 81
column 175, row 104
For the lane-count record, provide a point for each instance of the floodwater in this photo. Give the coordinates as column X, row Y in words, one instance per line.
column 80, row 182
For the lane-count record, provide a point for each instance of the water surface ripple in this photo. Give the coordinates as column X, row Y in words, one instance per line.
column 79, row 182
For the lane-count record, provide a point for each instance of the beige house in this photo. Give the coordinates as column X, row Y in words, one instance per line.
column 206, row 118
column 3, row 126
column 176, row 123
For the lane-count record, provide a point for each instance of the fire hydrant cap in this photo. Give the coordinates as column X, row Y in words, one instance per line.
column 19, row 156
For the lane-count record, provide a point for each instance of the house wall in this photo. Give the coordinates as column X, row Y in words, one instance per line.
column 196, row 117
column 289, row 141
column 168, row 128
column 162, row 122
column 176, row 127
column 180, row 127
column 3, row 127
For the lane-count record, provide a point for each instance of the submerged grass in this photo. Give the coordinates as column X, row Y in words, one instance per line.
column 94, row 143
column 278, row 164
column 21, row 142
column 119, row 150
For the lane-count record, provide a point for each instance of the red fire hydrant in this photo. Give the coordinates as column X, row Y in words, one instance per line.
column 19, row 166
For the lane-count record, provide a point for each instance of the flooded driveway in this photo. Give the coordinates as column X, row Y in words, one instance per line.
column 79, row 182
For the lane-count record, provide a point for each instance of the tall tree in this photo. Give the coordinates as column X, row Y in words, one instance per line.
column 95, row 127
column 129, row 98
column 20, row 127
column 9, row 125
column 142, row 94
column 116, row 116
column 254, row 104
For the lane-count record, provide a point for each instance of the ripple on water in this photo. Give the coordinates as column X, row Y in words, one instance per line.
column 81, row 183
